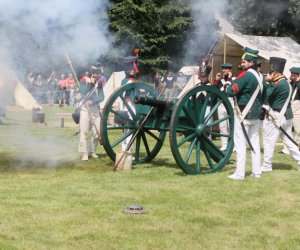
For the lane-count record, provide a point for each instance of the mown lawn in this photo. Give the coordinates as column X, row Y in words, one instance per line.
column 52, row 200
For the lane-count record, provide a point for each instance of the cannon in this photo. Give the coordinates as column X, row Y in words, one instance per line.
column 137, row 111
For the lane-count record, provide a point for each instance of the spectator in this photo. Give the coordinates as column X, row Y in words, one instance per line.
column 29, row 81
column 170, row 83
column 70, row 89
column 51, row 88
column 181, row 82
column 62, row 90
column 158, row 82
column 39, row 84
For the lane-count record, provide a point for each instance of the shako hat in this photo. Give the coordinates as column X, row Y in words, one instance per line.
column 96, row 68
column 277, row 64
column 204, row 72
column 250, row 55
column 295, row 70
column 226, row 65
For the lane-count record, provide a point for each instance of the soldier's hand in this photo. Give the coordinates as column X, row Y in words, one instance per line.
column 88, row 103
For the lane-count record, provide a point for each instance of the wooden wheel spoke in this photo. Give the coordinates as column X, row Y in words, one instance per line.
column 212, row 111
column 122, row 138
column 145, row 143
column 219, row 134
column 182, row 128
column 152, row 135
column 198, row 162
column 212, row 149
column 132, row 113
column 216, row 122
column 207, row 155
column 186, row 139
column 203, row 107
column 190, row 115
column 189, row 151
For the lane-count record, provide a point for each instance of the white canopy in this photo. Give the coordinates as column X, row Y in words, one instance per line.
column 230, row 48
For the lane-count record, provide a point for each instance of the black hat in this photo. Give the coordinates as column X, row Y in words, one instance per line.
column 96, row 68
column 277, row 64
column 205, row 71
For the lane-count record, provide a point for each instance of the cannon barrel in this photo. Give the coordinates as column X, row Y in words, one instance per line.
column 150, row 100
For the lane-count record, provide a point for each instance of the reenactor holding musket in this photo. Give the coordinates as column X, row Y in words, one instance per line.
column 91, row 90
column 279, row 115
column 248, row 92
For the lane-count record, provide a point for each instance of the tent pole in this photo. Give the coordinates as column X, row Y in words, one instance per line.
column 225, row 50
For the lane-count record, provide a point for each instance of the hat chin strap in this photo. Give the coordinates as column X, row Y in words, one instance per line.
column 277, row 76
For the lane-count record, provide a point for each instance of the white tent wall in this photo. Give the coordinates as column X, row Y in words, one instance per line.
column 111, row 85
column 230, row 48
column 13, row 92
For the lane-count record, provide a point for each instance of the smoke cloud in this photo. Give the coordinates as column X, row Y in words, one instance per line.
column 36, row 36
column 38, row 33
column 205, row 30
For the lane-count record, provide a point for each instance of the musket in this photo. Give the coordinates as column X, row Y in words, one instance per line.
column 239, row 114
column 85, row 98
column 283, row 131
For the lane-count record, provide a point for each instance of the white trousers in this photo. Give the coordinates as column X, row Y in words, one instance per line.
column 88, row 121
column 270, row 136
column 296, row 120
column 240, row 143
column 224, row 126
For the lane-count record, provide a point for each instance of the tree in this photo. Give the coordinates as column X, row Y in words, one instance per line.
column 159, row 28
column 266, row 17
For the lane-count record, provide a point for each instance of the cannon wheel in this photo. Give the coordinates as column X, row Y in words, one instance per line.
column 191, row 130
column 147, row 143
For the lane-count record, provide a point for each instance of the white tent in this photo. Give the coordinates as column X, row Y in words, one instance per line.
column 12, row 91
column 23, row 98
column 231, row 46
column 111, row 85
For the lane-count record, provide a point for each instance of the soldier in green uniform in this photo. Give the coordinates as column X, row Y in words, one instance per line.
column 280, row 115
column 295, row 102
column 247, row 89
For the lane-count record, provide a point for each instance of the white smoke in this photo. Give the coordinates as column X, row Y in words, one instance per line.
column 205, row 27
column 37, row 35
column 43, row 31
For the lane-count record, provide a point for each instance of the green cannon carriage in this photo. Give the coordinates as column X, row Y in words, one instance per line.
column 138, row 113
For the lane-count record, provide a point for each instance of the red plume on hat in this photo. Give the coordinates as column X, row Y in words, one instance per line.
column 136, row 51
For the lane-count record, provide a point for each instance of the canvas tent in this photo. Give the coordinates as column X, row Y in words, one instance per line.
column 230, row 48
column 111, row 85
column 13, row 92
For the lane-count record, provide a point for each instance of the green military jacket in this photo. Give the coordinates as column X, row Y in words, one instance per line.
column 243, row 88
column 277, row 94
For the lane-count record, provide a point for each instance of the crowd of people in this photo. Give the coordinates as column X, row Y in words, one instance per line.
column 51, row 89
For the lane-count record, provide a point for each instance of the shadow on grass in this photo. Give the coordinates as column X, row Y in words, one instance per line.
column 282, row 166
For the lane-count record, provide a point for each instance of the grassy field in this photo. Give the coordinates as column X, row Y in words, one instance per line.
column 52, row 200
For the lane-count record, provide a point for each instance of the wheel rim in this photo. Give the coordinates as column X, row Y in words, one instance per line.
column 147, row 142
column 190, row 133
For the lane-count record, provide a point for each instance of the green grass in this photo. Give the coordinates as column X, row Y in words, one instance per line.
column 63, row 203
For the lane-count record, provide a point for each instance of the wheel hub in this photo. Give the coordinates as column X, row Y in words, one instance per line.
column 203, row 131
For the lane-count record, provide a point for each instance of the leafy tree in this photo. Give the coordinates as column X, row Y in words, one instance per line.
column 266, row 17
column 158, row 28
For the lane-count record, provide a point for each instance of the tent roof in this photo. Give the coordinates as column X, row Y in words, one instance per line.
column 268, row 46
